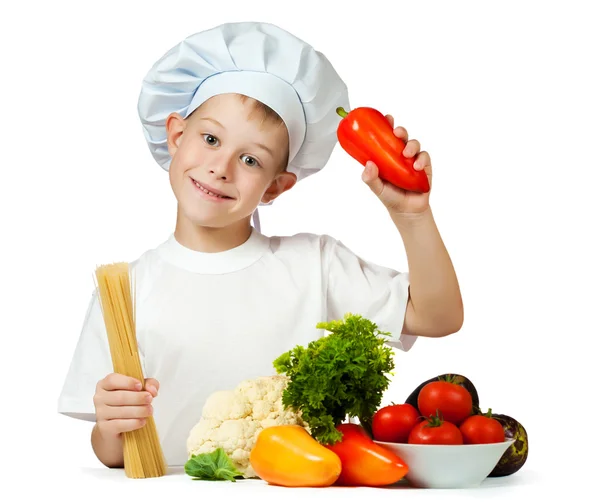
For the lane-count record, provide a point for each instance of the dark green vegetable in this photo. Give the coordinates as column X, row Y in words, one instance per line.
column 514, row 458
column 341, row 374
column 458, row 379
column 215, row 466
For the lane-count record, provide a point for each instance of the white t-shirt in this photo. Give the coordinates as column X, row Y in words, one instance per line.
column 207, row 321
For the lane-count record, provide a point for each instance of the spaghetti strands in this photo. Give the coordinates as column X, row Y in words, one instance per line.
column 142, row 453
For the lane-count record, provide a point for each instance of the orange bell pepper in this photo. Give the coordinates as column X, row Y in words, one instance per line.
column 287, row 455
column 365, row 134
column 364, row 462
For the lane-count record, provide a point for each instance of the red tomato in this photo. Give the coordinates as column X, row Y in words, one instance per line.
column 364, row 462
column 454, row 402
column 481, row 429
column 393, row 423
column 434, row 430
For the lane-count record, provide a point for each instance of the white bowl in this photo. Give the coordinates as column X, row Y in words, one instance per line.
column 448, row 466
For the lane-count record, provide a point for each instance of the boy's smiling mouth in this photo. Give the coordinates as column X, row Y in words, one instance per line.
column 209, row 191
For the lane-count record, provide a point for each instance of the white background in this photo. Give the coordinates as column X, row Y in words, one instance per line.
column 504, row 97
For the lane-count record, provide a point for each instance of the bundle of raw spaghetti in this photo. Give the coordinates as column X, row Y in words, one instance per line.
column 142, row 453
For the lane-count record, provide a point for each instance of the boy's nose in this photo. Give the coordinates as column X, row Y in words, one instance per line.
column 219, row 174
column 222, row 168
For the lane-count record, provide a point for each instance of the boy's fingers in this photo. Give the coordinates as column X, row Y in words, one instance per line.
column 124, row 412
column 118, row 426
column 390, row 119
column 402, row 133
column 371, row 177
column 116, row 381
column 152, row 386
column 412, row 148
column 423, row 160
column 126, row 398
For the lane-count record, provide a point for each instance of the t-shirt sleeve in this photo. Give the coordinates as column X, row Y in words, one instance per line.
column 377, row 293
column 91, row 362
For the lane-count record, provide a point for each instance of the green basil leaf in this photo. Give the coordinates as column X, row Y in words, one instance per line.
column 215, row 466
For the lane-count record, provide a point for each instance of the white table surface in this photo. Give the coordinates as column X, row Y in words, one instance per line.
column 99, row 483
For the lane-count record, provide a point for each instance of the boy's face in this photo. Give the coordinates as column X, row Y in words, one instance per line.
column 222, row 150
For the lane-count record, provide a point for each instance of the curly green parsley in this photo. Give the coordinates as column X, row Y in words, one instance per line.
column 341, row 374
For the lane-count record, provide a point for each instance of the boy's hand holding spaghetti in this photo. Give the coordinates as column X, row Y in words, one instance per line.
column 125, row 434
column 122, row 405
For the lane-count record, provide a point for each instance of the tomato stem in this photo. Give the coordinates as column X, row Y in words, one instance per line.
column 435, row 420
column 341, row 112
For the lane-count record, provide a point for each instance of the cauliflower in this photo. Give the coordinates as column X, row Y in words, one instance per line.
column 232, row 419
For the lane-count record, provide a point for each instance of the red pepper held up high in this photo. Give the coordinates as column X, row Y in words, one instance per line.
column 365, row 134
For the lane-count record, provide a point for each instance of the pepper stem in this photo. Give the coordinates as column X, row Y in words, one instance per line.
column 341, row 112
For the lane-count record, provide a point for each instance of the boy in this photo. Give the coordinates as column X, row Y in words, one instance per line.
column 237, row 115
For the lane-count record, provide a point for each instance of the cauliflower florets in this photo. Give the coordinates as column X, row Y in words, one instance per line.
column 232, row 419
column 225, row 405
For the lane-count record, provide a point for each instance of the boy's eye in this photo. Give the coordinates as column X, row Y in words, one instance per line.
column 210, row 139
column 249, row 161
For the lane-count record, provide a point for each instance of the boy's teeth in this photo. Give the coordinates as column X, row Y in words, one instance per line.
column 206, row 191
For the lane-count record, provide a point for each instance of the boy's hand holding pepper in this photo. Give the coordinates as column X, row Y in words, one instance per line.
column 397, row 200
column 434, row 305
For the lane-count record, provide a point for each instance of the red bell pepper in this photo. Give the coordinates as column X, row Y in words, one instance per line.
column 364, row 462
column 365, row 134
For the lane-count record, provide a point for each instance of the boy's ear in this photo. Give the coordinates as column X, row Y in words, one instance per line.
column 282, row 183
column 175, row 126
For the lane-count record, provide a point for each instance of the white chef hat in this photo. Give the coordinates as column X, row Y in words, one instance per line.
column 259, row 60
